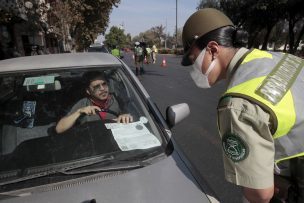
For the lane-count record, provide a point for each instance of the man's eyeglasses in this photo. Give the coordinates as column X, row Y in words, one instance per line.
column 99, row 87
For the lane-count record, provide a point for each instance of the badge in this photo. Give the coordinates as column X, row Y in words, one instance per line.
column 234, row 147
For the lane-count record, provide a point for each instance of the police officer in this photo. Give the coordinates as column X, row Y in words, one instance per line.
column 260, row 116
column 116, row 52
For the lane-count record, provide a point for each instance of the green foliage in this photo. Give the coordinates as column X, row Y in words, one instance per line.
column 116, row 37
column 265, row 20
column 154, row 35
column 6, row 16
column 89, row 18
column 34, row 15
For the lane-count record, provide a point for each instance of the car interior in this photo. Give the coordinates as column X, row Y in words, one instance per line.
column 32, row 104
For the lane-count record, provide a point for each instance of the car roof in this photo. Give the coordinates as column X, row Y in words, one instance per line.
column 96, row 45
column 51, row 61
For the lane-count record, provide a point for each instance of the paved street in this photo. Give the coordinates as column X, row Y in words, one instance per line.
column 197, row 134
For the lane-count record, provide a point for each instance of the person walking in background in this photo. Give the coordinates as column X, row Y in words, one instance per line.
column 148, row 55
column 116, row 52
column 260, row 116
column 139, row 58
column 154, row 53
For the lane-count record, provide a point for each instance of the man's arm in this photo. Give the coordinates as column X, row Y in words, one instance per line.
column 258, row 195
column 68, row 121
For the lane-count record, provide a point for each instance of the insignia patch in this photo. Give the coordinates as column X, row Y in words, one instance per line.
column 235, row 147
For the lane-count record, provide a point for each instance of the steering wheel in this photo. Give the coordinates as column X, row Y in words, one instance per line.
column 108, row 111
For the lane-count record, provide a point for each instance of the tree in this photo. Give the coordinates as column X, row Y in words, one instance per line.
column 159, row 32
column 154, row 35
column 60, row 20
column 116, row 37
column 32, row 13
column 261, row 19
column 295, row 17
column 89, row 18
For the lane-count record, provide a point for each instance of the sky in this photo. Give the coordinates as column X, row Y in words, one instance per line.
column 140, row 15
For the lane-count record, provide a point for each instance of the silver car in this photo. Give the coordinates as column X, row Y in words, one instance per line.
column 97, row 47
column 99, row 160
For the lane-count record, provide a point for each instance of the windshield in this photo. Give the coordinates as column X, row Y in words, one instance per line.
column 43, row 124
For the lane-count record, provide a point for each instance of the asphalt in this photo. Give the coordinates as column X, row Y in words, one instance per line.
column 197, row 134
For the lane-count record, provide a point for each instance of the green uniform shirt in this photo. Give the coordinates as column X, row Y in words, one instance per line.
column 115, row 52
column 248, row 146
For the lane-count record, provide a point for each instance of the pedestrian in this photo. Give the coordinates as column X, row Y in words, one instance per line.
column 260, row 115
column 154, row 53
column 139, row 58
column 148, row 54
column 116, row 52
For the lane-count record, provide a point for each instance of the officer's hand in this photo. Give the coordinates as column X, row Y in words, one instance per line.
column 89, row 110
column 124, row 118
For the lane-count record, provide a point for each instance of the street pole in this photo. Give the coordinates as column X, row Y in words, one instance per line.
column 166, row 35
column 176, row 27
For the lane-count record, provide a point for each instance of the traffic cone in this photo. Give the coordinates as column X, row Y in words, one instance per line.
column 164, row 63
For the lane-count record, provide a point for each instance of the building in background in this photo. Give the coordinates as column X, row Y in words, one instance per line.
column 27, row 28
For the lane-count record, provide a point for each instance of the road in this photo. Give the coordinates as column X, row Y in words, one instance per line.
column 197, row 134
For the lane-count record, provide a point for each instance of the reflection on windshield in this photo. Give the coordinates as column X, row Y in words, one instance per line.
column 60, row 117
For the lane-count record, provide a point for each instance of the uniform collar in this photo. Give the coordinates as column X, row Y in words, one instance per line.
column 233, row 63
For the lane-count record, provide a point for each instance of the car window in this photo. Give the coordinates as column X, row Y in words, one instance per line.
column 33, row 103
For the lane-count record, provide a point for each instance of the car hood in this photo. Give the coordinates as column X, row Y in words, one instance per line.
column 167, row 180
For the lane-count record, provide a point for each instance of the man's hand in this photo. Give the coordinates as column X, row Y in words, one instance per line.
column 89, row 110
column 124, row 118
column 68, row 121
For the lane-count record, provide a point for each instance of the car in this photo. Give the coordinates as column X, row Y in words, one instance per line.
column 95, row 161
column 98, row 47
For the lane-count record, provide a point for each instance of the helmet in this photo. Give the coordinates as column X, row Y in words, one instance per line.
column 200, row 23
column 137, row 43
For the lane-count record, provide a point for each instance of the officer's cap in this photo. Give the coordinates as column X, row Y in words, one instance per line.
column 200, row 23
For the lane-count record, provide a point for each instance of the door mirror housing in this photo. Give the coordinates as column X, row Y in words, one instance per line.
column 176, row 113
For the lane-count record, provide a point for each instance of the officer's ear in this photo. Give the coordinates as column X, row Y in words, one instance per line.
column 213, row 49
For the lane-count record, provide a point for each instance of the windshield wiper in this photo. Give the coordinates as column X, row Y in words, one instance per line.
column 119, row 166
column 121, row 162
column 58, row 169
column 114, row 162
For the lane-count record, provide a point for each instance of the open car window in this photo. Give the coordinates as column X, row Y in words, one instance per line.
column 32, row 103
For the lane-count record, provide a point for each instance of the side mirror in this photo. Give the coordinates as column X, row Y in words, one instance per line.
column 176, row 113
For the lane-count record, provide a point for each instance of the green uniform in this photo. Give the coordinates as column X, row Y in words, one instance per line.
column 115, row 52
column 259, row 117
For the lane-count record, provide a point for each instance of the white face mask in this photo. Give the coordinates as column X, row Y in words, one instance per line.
column 200, row 79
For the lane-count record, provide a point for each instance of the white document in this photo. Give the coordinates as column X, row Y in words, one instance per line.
column 133, row 136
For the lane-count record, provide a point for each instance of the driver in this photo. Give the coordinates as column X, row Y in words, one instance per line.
column 98, row 104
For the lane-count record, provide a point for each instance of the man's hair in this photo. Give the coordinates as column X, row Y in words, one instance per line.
column 90, row 76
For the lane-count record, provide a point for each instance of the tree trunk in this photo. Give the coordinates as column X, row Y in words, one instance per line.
column 291, row 35
column 299, row 38
column 269, row 28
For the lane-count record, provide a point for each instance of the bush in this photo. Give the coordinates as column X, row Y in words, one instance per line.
column 178, row 51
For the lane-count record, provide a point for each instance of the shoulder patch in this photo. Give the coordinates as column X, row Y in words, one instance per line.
column 235, row 147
